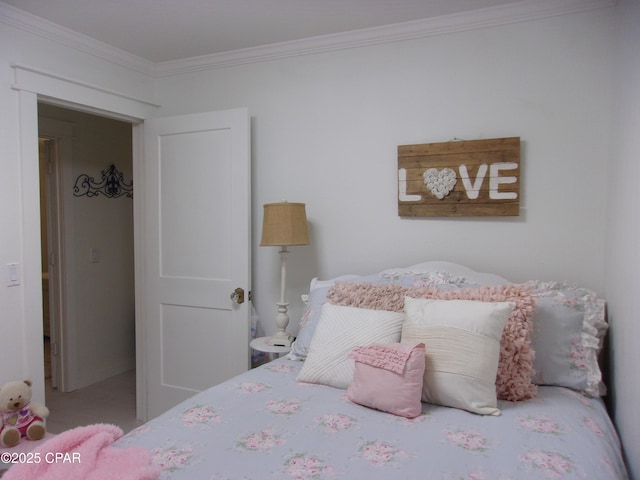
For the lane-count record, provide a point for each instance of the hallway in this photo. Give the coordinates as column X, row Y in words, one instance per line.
column 111, row 401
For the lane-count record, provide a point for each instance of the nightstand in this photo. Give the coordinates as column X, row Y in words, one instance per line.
column 260, row 344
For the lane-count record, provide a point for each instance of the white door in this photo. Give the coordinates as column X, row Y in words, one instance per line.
column 196, row 248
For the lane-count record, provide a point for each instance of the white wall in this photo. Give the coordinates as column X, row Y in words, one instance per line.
column 623, row 233
column 326, row 128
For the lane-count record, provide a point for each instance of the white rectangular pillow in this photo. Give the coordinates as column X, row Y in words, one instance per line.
column 462, row 349
column 340, row 330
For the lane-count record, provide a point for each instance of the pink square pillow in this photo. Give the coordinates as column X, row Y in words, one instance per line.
column 389, row 378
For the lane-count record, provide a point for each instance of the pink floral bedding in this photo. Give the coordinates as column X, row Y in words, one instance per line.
column 264, row 425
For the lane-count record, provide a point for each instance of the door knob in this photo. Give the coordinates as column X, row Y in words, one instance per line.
column 238, row 296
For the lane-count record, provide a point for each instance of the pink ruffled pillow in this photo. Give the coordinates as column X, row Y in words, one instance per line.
column 389, row 378
column 515, row 367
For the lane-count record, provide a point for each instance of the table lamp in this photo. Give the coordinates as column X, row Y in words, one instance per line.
column 284, row 224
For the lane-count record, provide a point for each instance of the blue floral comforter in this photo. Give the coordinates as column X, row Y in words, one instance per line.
column 264, row 425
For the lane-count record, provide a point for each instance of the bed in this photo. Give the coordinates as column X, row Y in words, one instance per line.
column 298, row 418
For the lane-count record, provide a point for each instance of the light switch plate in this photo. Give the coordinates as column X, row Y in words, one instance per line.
column 13, row 274
column 94, row 254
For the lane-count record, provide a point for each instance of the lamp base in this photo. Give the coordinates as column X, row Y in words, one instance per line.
column 281, row 339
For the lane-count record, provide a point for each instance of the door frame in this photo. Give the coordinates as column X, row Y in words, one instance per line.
column 60, row 133
column 33, row 86
column 137, row 138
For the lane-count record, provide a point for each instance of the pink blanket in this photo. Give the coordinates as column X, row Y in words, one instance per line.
column 84, row 453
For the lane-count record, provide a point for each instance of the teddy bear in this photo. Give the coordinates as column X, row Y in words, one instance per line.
column 20, row 416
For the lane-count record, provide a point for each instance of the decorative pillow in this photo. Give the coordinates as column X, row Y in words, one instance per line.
column 308, row 323
column 403, row 276
column 515, row 368
column 568, row 332
column 389, row 378
column 461, row 360
column 340, row 330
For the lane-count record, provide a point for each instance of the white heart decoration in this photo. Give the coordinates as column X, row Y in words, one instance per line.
column 440, row 182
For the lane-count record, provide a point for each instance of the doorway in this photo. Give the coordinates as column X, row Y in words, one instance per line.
column 87, row 248
column 34, row 86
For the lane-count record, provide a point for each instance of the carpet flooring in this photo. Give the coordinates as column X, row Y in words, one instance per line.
column 110, row 401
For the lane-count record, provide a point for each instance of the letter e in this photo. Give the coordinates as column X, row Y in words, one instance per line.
column 495, row 180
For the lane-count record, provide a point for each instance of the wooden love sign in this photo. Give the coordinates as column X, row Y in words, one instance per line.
column 460, row 178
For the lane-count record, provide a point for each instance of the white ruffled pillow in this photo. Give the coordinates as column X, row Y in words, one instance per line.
column 569, row 327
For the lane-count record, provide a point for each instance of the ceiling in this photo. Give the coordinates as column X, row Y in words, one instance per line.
column 166, row 30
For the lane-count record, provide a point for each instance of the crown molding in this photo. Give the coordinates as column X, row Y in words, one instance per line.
column 51, row 31
column 524, row 10
column 521, row 11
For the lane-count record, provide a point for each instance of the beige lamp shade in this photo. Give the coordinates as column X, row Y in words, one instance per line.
column 284, row 224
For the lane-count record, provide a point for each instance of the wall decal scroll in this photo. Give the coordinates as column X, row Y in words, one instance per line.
column 111, row 185
column 460, row 178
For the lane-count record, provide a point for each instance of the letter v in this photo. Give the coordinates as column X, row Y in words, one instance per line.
column 473, row 190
